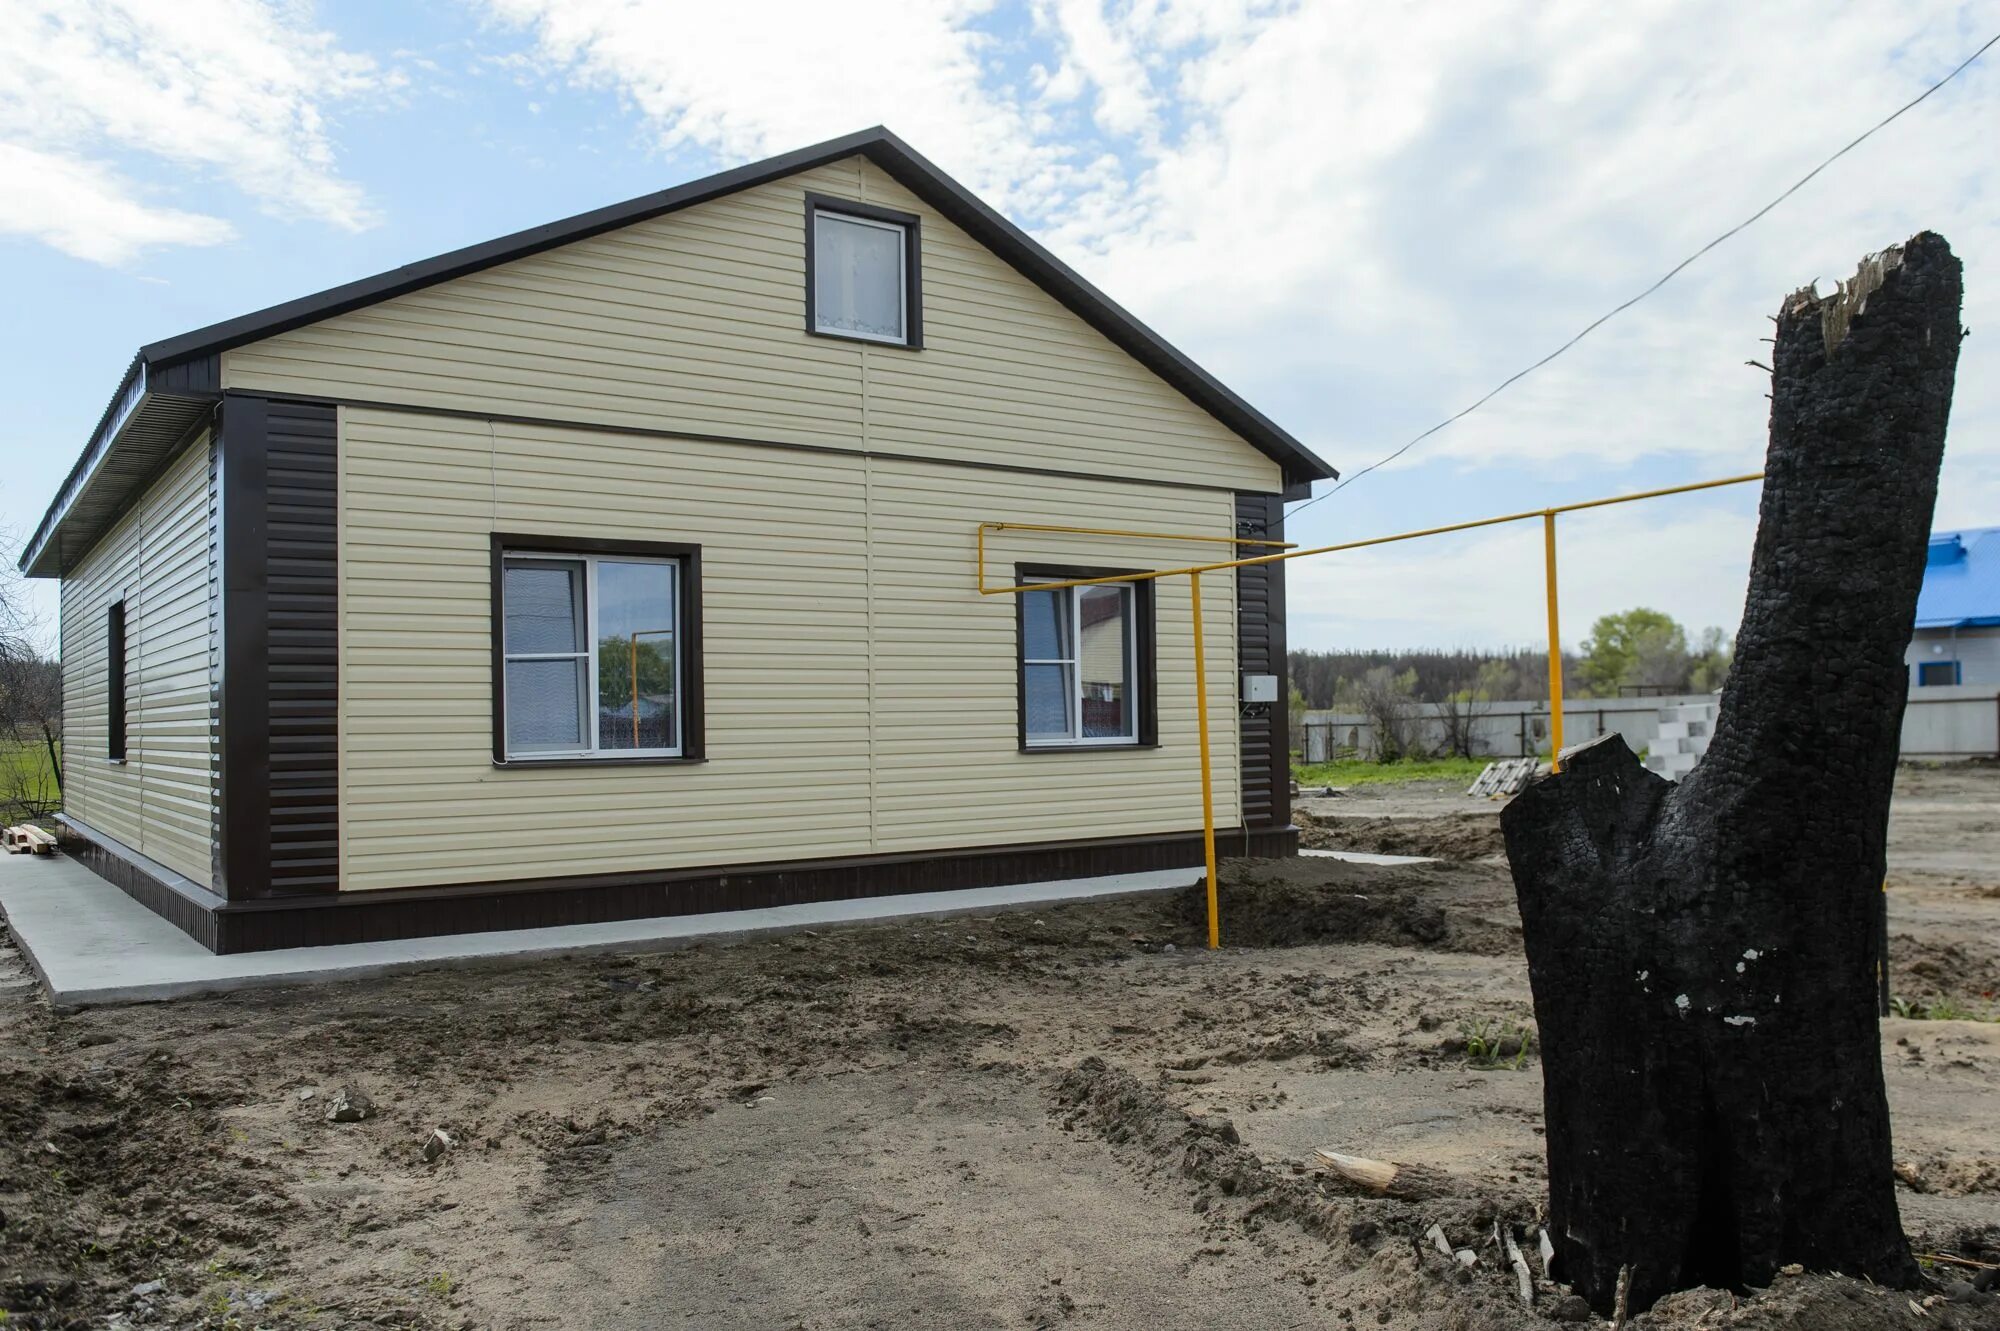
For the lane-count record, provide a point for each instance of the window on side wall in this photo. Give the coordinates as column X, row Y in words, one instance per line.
column 862, row 278
column 1937, row 672
column 1086, row 662
column 114, row 669
column 597, row 651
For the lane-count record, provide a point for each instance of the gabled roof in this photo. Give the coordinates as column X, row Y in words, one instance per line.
column 156, row 391
column 1961, row 580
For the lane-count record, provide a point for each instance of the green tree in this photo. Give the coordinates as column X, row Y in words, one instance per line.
column 1637, row 646
column 1712, row 656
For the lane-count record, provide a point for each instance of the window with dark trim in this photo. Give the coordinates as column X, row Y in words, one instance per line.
column 1936, row 672
column 1084, row 662
column 864, row 280
column 596, row 651
column 114, row 657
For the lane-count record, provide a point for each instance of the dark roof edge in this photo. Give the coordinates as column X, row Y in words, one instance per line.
column 908, row 166
column 31, row 551
column 1027, row 254
column 473, row 258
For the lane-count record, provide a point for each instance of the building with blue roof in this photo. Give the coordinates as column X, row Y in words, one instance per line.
column 1957, row 639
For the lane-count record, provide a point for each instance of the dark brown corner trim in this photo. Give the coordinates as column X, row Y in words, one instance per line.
column 278, row 718
column 694, row 730
column 913, row 267
column 1145, row 630
column 1260, row 650
column 243, row 795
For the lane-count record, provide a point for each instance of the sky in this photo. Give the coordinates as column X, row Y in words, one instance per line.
column 1359, row 216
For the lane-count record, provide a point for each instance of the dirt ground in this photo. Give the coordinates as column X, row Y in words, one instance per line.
column 1071, row 1117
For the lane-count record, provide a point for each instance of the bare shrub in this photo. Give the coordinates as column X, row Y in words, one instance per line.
column 30, row 710
column 1389, row 702
column 1458, row 714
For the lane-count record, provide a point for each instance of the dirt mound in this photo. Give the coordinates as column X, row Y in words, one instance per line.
column 1378, row 1245
column 105, row 1174
column 1472, row 836
column 172, row 1164
column 1370, row 1237
column 1311, row 899
column 1966, row 973
column 1821, row 1303
column 1950, row 1176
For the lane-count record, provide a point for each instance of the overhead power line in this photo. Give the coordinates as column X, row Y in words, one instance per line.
column 1671, row 273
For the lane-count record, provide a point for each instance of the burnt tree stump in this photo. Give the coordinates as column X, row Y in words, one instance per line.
column 1703, row 955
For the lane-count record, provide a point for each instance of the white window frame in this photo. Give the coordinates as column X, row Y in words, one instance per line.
column 588, row 720
column 1073, row 603
column 902, row 277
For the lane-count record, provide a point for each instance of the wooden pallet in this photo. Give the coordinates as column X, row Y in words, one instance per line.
column 26, row 839
column 1506, row 777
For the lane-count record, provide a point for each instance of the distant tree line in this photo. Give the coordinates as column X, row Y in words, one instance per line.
column 1426, row 675
column 1625, row 651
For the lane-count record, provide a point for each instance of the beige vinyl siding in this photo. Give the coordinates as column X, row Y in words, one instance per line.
column 861, row 696
column 947, row 729
column 160, row 800
column 784, row 619
column 695, row 322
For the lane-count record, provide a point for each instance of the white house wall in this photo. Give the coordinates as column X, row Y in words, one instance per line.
column 1977, row 650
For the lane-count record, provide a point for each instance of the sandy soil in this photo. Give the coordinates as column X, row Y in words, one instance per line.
column 1405, row 818
column 1077, row 1117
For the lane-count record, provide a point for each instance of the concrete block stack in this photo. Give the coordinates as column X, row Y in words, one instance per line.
column 1685, row 730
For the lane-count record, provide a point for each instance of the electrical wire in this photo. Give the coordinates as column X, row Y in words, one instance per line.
column 1671, row 273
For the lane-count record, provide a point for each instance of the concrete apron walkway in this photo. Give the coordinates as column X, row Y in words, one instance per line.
column 91, row 944
column 1367, row 857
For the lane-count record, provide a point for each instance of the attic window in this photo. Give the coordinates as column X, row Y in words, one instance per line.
column 862, row 278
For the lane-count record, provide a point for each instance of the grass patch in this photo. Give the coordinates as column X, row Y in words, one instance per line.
column 1492, row 1044
column 1939, row 1009
column 25, row 774
column 1409, row 769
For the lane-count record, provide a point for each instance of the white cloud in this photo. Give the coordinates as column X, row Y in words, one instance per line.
column 235, row 89
column 1363, row 217
column 1423, row 198
column 84, row 210
column 748, row 81
column 1096, row 52
column 1430, row 205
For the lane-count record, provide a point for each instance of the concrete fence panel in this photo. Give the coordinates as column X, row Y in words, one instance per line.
column 1941, row 722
